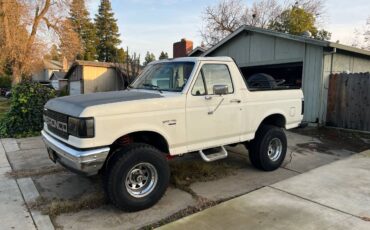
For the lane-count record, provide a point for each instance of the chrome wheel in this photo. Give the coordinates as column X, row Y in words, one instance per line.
column 141, row 180
column 275, row 149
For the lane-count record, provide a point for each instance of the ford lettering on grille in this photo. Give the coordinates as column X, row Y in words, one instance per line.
column 56, row 124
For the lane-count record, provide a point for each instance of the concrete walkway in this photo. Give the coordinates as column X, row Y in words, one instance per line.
column 13, row 211
column 334, row 196
column 15, row 194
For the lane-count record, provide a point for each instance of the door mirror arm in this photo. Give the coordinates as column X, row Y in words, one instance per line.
column 218, row 105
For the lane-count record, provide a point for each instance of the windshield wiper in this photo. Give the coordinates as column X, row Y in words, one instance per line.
column 153, row 87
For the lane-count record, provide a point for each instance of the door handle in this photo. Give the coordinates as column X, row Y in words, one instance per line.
column 235, row 101
column 207, row 97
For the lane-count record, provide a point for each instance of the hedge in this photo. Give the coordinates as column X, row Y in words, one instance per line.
column 24, row 118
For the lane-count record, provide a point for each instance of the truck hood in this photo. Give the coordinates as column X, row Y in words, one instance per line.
column 74, row 105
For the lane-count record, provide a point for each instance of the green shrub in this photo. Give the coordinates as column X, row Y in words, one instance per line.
column 5, row 82
column 25, row 115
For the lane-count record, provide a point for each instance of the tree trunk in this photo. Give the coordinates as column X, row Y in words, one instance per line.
column 17, row 75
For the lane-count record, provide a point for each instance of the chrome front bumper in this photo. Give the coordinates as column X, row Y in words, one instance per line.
column 87, row 162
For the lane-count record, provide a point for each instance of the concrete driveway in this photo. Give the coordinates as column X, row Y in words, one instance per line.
column 58, row 198
column 334, row 196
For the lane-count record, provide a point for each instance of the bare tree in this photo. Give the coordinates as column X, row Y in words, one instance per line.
column 69, row 41
column 262, row 13
column 23, row 24
column 315, row 7
column 367, row 35
column 221, row 20
column 132, row 66
column 228, row 15
column 361, row 38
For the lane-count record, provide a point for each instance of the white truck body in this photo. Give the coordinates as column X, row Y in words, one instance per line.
column 183, row 119
column 127, row 134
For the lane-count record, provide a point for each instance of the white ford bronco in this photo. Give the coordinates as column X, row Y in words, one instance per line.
column 184, row 105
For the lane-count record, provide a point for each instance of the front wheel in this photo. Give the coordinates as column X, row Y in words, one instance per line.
column 267, row 151
column 138, row 177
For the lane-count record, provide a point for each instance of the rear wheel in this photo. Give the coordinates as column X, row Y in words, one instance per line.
column 137, row 177
column 267, row 151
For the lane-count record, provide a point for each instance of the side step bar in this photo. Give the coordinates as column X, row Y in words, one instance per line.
column 214, row 156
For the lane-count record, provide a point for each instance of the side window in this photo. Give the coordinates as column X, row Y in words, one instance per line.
column 216, row 74
column 198, row 88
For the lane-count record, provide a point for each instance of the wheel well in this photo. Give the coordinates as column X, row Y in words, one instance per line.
column 274, row 119
column 151, row 138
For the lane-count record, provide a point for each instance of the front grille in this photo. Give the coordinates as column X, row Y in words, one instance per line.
column 57, row 123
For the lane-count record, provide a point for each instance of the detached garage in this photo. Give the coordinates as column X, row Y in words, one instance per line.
column 90, row 77
column 293, row 61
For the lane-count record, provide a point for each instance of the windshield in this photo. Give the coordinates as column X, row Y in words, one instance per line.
column 165, row 76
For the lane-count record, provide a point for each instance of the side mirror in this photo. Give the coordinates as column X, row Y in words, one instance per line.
column 220, row 89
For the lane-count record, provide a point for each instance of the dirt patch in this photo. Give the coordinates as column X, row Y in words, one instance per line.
column 16, row 174
column 55, row 207
column 186, row 172
column 332, row 138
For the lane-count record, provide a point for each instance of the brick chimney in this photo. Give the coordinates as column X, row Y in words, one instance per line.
column 182, row 48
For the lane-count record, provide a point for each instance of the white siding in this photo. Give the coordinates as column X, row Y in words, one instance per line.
column 74, row 87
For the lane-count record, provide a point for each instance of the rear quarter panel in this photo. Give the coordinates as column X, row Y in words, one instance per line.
column 257, row 105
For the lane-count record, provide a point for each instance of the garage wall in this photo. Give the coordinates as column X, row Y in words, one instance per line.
column 99, row 79
column 311, row 83
column 339, row 63
column 74, row 81
column 254, row 49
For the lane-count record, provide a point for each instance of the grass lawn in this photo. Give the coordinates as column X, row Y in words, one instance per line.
column 4, row 106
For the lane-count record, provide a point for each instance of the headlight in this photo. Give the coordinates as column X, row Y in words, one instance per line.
column 81, row 127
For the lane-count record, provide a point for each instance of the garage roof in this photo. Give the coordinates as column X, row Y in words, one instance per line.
column 304, row 39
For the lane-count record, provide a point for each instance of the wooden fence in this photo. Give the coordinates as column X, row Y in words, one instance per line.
column 349, row 101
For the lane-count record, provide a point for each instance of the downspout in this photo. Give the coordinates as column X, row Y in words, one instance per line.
column 332, row 59
column 324, row 110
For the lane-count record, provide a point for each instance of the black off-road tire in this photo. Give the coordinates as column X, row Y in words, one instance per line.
column 259, row 148
column 119, row 167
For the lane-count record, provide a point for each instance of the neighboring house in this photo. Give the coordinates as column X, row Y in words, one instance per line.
column 90, row 77
column 49, row 66
column 302, row 61
column 57, row 80
column 198, row 51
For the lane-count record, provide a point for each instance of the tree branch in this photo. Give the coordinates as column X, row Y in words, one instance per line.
column 36, row 23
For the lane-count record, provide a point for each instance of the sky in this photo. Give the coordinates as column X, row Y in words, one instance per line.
column 154, row 25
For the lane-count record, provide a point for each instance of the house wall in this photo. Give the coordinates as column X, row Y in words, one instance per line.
column 39, row 76
column 43, row 75
column 337, row 63
column 255, row 49
column 99, row 79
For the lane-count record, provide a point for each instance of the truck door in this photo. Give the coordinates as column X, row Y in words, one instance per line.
column 212, row 120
